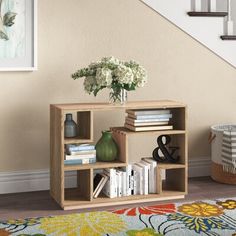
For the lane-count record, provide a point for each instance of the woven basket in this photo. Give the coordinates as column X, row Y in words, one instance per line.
column 215, row 139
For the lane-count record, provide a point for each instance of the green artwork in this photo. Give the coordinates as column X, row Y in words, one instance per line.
column 12, row 28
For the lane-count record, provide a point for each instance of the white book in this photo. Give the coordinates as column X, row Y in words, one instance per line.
column 148, row 112
column 124, row 188
column 150, row 117
column 119, row 183
column 135, row 182
column 147, row 120
column 79, row 157
column 150, row 183
column 139, row 179
column 132, row 181
column 128, row 169
column 145, row 178
column 153, row 174
column 110, row 188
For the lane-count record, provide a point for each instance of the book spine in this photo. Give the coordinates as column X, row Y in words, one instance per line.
column 135, row 182
column 147, row 117
column 79, row 157
column 131, row 119
column 148, row 112
column 80, row 148
column 132, row 182
column 91, row 152
column 80, row 161
column 129, row 180
column 114, row 186
column 124, row 182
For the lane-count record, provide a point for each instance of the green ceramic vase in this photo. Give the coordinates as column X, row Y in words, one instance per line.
column 106, row 148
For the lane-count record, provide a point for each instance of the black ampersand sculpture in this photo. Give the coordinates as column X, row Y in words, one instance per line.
column 168, row 154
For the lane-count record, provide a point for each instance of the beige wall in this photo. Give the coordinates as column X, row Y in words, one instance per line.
column 73, row 33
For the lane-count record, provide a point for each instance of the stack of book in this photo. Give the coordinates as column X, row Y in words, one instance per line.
column 77, row 154
column 148, row 120
column 139, row 178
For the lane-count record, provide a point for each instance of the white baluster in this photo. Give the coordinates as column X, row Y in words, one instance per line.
column 198, row 5
column 212, row 5
column 230, row 23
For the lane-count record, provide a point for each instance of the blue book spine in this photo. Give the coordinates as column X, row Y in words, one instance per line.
column 79, row 162
column 81, row 148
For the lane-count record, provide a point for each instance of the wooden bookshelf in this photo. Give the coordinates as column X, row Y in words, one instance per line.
column 173, row 187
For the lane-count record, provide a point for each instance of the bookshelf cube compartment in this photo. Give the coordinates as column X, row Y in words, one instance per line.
column 179, row 140
column 175, row 180
column 84, row 128
column 85, row 124
column 83, row 191
column 178, row 119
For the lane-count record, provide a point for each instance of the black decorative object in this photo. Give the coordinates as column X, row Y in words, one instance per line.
column 168, row 152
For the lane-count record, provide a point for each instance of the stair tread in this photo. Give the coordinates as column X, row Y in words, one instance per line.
column 207, row 14
column 228, row 37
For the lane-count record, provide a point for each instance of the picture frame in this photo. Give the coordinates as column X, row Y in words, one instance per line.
column 27, row 58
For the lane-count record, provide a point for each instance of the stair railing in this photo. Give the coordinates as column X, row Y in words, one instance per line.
column 229, row 23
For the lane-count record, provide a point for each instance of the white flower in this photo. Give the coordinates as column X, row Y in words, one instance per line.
column 110, row 60
column 140, row 76
column 124, row 75
column 90, row 84
column 104, row 77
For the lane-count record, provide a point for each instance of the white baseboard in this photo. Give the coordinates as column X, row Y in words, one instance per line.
column 199, row 167
column 28, row 181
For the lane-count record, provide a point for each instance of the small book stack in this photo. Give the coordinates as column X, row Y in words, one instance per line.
column 78, row 154
column 148, row 120
column 134, row 179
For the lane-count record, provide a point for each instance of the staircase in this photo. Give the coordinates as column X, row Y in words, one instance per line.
column 211, row 22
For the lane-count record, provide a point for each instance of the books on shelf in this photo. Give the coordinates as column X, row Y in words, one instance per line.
column 148, row 120
column 79, row 147
column 134, row 179
column 148, row 128
column 78, row 154
column 148, row 112
column 99, row 182
column 146, row 123
column 80, row 161
column 151, row 117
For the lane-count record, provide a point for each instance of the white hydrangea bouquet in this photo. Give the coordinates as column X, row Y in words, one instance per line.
column 111, row 73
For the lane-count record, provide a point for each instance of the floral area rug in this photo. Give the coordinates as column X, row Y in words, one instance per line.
column 210, row 217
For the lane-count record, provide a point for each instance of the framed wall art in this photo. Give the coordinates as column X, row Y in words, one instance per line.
column 18, row 35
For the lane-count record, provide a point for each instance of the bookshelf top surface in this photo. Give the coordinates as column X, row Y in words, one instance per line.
column 161, row 104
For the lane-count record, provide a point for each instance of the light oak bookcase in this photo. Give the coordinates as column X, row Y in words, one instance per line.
column 173, row 187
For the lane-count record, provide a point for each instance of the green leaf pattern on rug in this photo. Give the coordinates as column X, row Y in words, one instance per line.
column 143, row 232
column 200, row 224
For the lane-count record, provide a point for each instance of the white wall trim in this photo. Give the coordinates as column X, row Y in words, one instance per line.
column 28, row 181
column 199, row 167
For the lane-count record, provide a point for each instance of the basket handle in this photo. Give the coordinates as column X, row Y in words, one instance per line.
column 211, row 137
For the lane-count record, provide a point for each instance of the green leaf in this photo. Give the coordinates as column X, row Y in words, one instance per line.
column 8, row 19
column 147, row 231
column 129, row 87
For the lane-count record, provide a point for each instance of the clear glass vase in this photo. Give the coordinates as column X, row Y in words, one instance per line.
column 118, row 96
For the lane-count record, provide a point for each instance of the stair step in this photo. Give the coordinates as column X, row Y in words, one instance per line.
column 207, row 14
column 228, row 37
